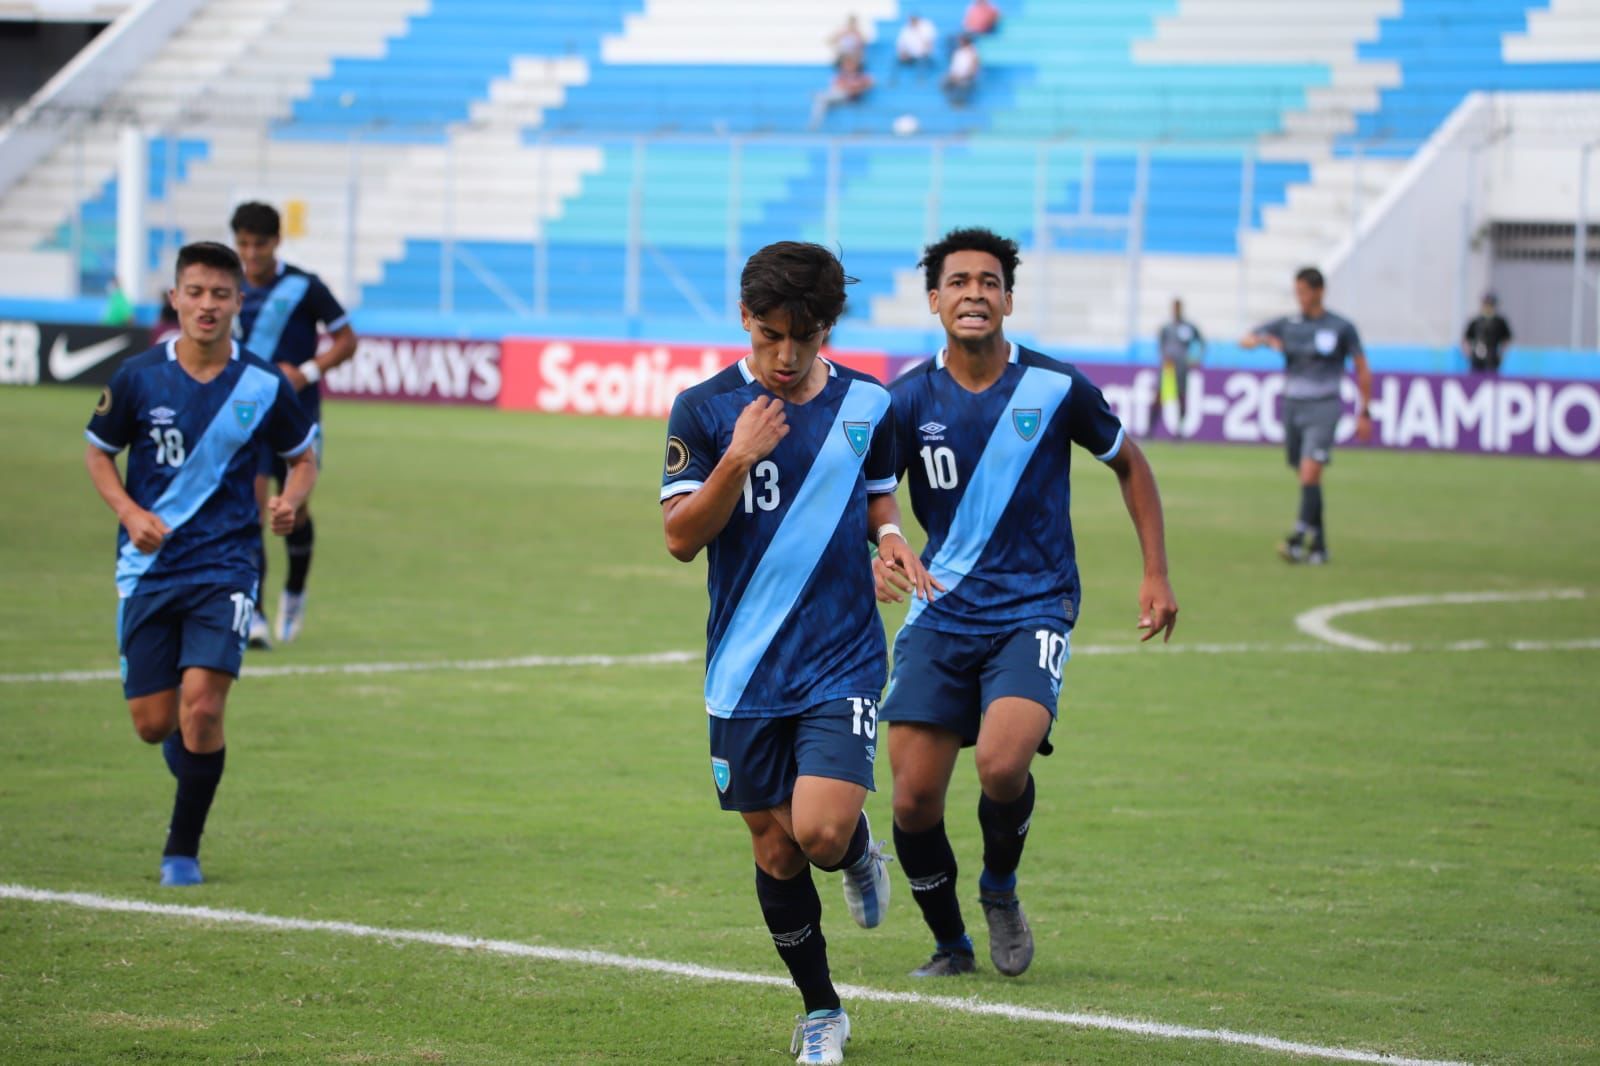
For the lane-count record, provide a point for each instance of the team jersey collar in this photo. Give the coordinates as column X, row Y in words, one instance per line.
column 750, row 375
column 1011, row 355
column 172, row 350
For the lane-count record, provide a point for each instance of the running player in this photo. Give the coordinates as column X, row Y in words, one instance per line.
column 782, row 467
column 1315, row 344
column 985, row 430
column 283, row 309
column 191, row 413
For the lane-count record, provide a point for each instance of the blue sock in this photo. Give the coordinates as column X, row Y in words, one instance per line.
column 963, row 944
column 997, row 884
column 172, row 751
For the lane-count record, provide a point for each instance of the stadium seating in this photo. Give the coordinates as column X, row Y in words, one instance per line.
column 444, row 150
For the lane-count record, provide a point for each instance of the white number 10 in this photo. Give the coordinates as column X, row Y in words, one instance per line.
column 1052, row 648
column 941, row 466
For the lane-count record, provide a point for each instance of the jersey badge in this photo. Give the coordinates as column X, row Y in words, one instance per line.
column 677, row 456
column 720, row 773
column 104, row 403
column 245, row 412
column 1327, row 340
column 858, row 434
column 1026, row 421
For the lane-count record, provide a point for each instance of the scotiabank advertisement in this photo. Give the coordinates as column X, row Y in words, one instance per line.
column 637, row 379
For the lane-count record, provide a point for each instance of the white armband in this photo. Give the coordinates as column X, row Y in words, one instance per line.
column 310, row 371
column 887, row 528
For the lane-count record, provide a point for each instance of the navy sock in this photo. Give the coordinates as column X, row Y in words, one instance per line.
column 930, row 866
column 197, row 786
column 299, row 544
column 261, row 565
column 1005, row 832
column 794, row 917
column 172, row 751
column 1310, row 511
column 857, row 848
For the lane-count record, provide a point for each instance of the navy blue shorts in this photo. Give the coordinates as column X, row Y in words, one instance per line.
column 754, row 761
column 161, row 634
column 949, row 679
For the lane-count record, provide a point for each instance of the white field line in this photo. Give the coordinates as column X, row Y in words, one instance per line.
column 1318, row 622
column 973, row 1006
column 678, row 658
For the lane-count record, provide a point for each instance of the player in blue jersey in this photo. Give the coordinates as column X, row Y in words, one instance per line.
column 191, row 413
column 286, row 310
column 985, row 430
column 782, row 468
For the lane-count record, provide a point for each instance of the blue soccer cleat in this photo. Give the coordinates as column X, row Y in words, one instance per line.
column 179, row 870
column 866, row 885
column 819, row 1038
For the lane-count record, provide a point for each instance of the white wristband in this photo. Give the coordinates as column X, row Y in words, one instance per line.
column 311, row 371
column 887, row 528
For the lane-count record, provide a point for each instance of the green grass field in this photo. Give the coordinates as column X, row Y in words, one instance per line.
column 1390, row 852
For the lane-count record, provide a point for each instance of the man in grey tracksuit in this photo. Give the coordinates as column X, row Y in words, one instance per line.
column 1315, row 344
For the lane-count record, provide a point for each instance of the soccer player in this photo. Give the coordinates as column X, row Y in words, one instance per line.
column 1315, row 344
column 191, row 413
column 782, row 468
column 283, row 309
column 1180, row 344
column 985, row 431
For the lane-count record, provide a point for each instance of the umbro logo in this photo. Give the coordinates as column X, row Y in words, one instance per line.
column 932, row 430
column 789, row 940
column 929, row 883
column 162, row 416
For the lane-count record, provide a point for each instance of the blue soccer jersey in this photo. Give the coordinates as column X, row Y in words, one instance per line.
column 989, row 475
column 191, row 461
column 793, row 621
column 282, row 322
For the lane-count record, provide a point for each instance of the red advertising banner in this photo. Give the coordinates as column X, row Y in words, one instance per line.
column 631, row 378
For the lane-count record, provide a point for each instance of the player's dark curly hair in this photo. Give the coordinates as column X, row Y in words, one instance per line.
column 211, row 254
column 257, row 218
column 1311, row 276
column 805, row 280
column 970, row 239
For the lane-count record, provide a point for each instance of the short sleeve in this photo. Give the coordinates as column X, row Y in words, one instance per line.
column 115, row 419
column 881, row 470
column 691, row 450
column 289, row 430
column 1352, row 340
column 1275, row 328
column 326, row 307
column 1094, row 425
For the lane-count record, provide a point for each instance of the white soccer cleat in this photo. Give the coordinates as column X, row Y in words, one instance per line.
column 260, row 632
column 291, row 615
column 819, row 1037
column 866, row 885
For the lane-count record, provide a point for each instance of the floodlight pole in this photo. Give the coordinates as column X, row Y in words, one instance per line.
column 1580, row 247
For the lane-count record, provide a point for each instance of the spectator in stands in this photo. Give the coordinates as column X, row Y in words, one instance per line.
column 982, row 17
column 850, row 83
column 962, row 77
column 1487, row 337
column 915, row 45
column 849, row 43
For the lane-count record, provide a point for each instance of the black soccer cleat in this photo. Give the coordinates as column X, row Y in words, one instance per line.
column 1293, row 549
column 1010, row 939
column 947, row 963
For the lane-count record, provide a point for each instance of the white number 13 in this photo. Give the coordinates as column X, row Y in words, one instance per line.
column 767, row 471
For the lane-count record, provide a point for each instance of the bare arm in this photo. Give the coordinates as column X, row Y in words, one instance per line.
column 296, row 490
column 693, row 520
column 1158, row 607
column 897, row 569
column 146, row 530
column 1364, row 383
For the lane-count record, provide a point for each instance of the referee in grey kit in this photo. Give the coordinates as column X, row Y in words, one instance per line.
column 1315, row 345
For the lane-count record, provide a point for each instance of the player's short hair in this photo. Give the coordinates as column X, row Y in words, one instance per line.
column 211, row 254
column 1311, row 276
column 805, row 280
column 970, row 239
column 257, row 218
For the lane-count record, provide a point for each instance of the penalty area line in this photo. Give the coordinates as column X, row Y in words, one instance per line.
column 665, row 967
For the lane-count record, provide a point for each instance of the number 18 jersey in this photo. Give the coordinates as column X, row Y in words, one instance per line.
column 793, row 620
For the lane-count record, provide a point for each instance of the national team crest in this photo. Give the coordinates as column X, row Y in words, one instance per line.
column 1026, row 419
column 720, row 773
column 858, row 433
column 245, row 412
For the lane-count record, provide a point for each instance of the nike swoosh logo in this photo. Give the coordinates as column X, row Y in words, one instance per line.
column 66, row 365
